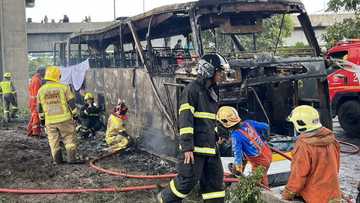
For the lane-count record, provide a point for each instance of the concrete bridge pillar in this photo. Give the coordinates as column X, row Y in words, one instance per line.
column 13, row 45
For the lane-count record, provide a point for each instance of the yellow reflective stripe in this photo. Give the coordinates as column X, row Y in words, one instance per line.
column 175, row 191
column 186, row 106
column 213, row 195
column 205, row 150
column 205, row 115
column 188, row 130
column 70, row 146
column 278, row 157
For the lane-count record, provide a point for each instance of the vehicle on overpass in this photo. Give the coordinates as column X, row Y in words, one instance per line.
column 344, row 84
column 134, row 59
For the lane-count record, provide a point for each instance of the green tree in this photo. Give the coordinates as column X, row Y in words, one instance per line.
column 349, row 28
column 39, row 61
column 347, row 5
column 266, row 40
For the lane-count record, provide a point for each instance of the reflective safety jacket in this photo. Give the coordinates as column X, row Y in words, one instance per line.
column 197, row 122
column 247, row 141
column 115, row 127
column 7, row 87
column 315, row 167
column 56, row 103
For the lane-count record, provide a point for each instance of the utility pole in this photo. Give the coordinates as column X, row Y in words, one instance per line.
column 114, row 9
column 143, row 5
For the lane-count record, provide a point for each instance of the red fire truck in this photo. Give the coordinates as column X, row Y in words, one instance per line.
column 344, row 84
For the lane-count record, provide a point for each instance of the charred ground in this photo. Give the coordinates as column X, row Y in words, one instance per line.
column 26, row 163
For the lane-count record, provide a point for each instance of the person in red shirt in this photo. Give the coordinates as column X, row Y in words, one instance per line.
column 33, row 128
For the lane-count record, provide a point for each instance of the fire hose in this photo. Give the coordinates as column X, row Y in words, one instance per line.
column 131, row 188
column 107, row 189
column 355, row 149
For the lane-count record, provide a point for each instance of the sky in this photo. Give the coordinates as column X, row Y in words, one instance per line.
column 103, row 10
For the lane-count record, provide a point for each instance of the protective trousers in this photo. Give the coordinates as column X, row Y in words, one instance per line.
column 117, row 143
column 206, row 169
column 264, row 160
column 33, row 128
column 10, row 100
column 65, row 130
column 89, row 125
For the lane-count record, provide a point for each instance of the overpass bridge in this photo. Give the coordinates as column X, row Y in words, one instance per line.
column 42, row 36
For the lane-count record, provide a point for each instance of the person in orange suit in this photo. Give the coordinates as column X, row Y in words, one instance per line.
column 316, row 160
column 33, row 128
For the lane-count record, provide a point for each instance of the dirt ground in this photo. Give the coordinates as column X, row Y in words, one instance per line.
column 26, row 163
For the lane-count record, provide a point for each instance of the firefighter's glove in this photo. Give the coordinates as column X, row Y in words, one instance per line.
column 236, row 170
column 287, row 194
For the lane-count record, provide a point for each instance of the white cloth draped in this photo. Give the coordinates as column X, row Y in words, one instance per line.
column 74, row 74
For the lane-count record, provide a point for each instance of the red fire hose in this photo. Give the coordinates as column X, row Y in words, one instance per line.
column 131, row 188
column 126, row 175
column 116, row 173
column 74, row 191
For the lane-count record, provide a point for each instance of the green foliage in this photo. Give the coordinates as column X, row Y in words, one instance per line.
column 265, row 40
column 247, row 190
column 299, row 45
column 349, row 28
column 347, row 5
column 36, row 62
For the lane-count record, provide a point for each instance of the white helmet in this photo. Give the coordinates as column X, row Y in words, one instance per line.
column 210, row 63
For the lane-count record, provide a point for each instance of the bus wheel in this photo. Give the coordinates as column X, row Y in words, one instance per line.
column 349, row 117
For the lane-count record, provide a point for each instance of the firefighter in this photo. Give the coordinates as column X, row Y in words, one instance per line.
column 56, row 107
column 316, row 160
column 8, row 91
column 33, row 128
column 246, row 141
column 116, row 136
column 89, row 117
column 199, row 160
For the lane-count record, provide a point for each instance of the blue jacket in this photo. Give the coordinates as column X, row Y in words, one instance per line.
column 242, row 145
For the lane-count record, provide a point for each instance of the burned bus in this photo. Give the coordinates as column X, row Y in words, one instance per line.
column 147, row 59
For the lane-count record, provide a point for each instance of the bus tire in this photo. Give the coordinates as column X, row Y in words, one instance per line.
column 349, row 117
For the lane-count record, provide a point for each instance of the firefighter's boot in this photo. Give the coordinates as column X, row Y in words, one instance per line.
column 71, row 158
column 58, row 158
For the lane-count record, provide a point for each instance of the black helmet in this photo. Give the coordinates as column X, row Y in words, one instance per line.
column 210, row 63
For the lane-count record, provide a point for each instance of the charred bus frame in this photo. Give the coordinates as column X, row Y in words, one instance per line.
column 265, row 88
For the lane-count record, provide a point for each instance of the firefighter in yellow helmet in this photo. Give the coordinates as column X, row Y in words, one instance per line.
column 8, row 92
column 116, row 135
column 316, row 159
column 56, row 106
column 246, row 141
column 89, row 118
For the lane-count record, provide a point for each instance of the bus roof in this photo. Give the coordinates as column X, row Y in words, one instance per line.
column 174, row 19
